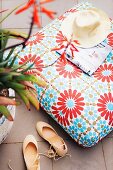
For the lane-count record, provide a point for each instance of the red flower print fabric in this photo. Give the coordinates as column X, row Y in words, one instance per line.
column 110, row 39
column 62, row 17
column 68, row 71
column 72, row 10
column 104, row 73
column 64, row 43
column 60, row 38
column 70, row 104
column 37, row 38
column 38, row 63
column 81, row 104
column 105, row 107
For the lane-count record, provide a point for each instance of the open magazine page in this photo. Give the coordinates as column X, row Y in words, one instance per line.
column 89, row 59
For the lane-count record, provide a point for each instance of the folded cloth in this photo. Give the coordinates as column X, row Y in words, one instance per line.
column 88, row 59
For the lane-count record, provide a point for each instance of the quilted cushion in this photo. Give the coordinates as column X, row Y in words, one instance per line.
column 81, row 104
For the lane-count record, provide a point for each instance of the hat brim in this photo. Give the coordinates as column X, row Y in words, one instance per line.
column 101, row 32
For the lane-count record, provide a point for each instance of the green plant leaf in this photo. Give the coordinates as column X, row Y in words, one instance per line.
column 32, row 78
column 1, row 85
column 6, row 78
column 5, row 40
column 14, row 33
column 2, row 70
column 12, row 62
column 33, row 99
column 28, row 68
column 21, row 66
column 5, row 112
column 23, row 96
column 9, row 55
column 4, row 62
column 15, row 85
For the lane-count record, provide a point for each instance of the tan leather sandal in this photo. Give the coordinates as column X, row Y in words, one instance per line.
column 31, row 153
column 49, row 134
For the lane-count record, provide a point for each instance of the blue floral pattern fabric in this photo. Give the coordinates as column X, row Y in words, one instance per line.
column 81, row 104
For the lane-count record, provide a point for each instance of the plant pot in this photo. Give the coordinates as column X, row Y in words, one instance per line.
column 6, row 125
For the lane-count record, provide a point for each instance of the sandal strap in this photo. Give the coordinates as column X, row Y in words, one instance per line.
column 53, row 141
column 51, row 153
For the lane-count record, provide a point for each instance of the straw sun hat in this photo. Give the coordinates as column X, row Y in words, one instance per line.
column 88, row 26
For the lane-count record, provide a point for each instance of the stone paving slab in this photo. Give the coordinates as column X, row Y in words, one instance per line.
column 108, row 152
column 25, row 123
column 21, row 20
column 13, row 152
column 82, row 158
column 60, row 6
column 99, row 157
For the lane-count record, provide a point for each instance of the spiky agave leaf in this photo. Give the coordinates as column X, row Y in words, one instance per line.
column 15, row 77
column 13, row 33
column 9, row 55
column 32, row 98
column 15, row 85
column 32, row 78
column 4, row 110
column 28, row 84
column 3, row 42
column 28, row 96
column 23, row 96
column 4, row 62
column 7, row 101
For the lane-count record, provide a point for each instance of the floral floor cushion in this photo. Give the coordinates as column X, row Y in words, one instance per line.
column 81, row 104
